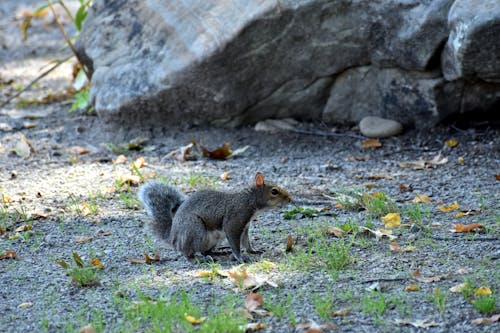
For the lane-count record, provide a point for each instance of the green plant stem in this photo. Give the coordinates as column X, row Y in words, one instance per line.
column 68, row 41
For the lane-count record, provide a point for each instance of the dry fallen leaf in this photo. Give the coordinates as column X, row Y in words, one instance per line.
column 451, row 143
column 24, row 227
column 244, row 280
column 417, row 276
column 96, row 263
column 225, row 176
column 186, row 153
column 82, row 239
column 337, row 232
column 421, row 198
column 250, row 327
column 139, row 162
column 25, row 305
column 8, row 254
column 220, row 153
column 342, row 312
column 487, row 320
column 379, row 233
column 120, row 159
column 87, row 329
column 132, row 180
column 147, row 259
column 312, row 327
column 449, row 208
column 424, row 164
column 6, row 198
column 459, row 228
column 371, row 143
column 422, row 323
column 412, row 287
column 497, row 177
column 391, row 220
column 253, row 301
column 77, row 150
column 458, row 288
column 194, row 320
column 467, row 213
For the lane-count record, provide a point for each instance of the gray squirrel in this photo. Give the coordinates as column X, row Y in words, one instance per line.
column 196, row 224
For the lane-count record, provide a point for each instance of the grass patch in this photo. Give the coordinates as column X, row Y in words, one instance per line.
column 320, row 251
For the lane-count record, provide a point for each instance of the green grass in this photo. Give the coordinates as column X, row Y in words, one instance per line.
column 439, row 299
column 378, row 204
column 485, row 304
column 199, row 181
column 320, row 252
column 169, row 315
column 375, row 303
column 323, row 306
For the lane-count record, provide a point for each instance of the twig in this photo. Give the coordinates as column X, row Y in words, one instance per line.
column 68, row 41
column 386, row 280
column 330, row 134
column 41, row 76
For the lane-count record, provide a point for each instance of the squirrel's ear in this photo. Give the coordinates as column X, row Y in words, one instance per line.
column 259, row 179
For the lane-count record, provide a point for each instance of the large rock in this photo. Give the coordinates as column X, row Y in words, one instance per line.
column 473, row 48
column 412, row 98
column 235, row 62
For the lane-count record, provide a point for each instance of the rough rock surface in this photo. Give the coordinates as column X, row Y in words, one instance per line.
column 230, row 63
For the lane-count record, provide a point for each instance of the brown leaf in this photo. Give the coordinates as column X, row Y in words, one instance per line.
column 24, row 227
column 417, row 276
column 449, row 208
column 103, row 233
column 424, row 164
column 342, row 312
column 220, row 153
column 253, row 301
column 77, row 150
column 225, row 176
column 371, row 143
column 459, row 228
column 148, row 259
column 394, row 246
column 186, row 153
column 96, row 263
column 497, row 177
column 120, row 159
column 468, row 212
column 132, row 180
column 140, row 162
column 82, row 239
column 9, row 254
column 421, row 198
column 250, row 327
column 312, row 327
column 379, row 176
column 337, row 232
column 412, row 287
column 487, row 321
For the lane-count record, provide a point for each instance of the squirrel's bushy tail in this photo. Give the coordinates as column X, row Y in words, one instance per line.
column 161, row 202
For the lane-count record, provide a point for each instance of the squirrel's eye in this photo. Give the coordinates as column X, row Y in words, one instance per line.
column 275, row 191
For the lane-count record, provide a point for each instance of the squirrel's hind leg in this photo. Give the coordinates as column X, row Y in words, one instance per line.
column 188, row 237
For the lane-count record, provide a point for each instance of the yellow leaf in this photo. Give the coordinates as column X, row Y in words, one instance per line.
column 25, row 305
column 484, row 290
column 371, row 143
column 421, row 198
column 451, row 143
column 391, row 220
column 193, row 320
column 449, row 208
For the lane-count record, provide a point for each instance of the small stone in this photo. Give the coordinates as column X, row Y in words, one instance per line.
column 376, row 127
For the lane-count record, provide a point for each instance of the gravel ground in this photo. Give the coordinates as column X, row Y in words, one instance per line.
column 49, row 188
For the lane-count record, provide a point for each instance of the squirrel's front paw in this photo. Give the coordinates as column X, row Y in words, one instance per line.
column 242, row 258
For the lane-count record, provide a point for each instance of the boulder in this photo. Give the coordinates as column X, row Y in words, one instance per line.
column 228, row 63
column 473, row 48
column 418, row 99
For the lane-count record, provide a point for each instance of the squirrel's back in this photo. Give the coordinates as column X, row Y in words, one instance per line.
column 161, row 202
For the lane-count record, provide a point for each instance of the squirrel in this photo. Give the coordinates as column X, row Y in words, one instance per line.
column 196, row 224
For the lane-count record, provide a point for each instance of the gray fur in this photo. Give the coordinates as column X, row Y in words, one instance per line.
column 161, row 202
column 207, row 217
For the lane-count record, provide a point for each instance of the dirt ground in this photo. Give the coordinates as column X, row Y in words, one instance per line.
column 63, row 192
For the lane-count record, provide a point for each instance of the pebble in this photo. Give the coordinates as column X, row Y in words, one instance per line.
column 376, row 127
